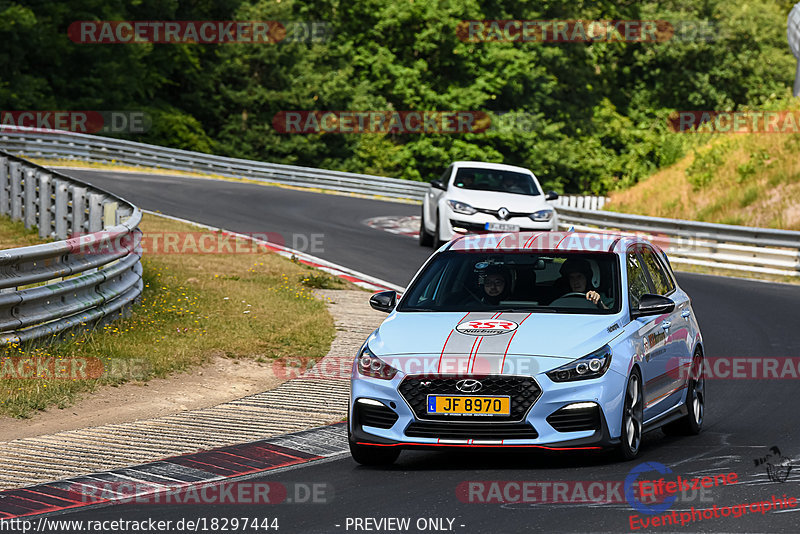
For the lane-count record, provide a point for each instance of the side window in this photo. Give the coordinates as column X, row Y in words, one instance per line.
column 637, row 281
column 446, row 175
column 661, row 280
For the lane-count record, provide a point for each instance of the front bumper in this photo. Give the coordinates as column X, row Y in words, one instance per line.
column 460, row 224
column 534, row 429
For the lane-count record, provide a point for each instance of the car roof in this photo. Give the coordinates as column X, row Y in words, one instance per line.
column 548, row 241
column 493, row 166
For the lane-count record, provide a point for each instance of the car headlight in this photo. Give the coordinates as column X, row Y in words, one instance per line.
column 373, row 367
column 542, row 215
column 591, row 366
column 461, row 207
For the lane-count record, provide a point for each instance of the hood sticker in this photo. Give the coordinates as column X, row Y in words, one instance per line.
column 486, row 327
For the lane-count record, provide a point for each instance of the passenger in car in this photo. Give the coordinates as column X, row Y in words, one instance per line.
column 496, row 285
column 511, row 185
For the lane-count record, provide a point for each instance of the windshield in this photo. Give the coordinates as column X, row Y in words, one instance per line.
column 496, row 180
column 519, row 281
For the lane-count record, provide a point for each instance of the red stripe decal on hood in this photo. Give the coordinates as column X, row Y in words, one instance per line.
column 439, row 367
column 509, row 342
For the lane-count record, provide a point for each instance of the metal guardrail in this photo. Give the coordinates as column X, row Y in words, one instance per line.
column 738, row 248
column 589, row 202
column 713, row 245
column 80, row 280
column 36, row 142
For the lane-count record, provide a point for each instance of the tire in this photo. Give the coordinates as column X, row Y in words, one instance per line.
column 437, row 240
column 692, row 423
column 425, row 239
column 632, row 418
column 366, row 455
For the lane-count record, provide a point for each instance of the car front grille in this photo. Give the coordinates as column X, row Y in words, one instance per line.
column 522, row 390
column 574, row 420
column 465, row 431
column 480, row 227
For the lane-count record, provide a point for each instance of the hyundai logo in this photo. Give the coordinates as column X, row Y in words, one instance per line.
column 503, row 213
column 469, row 385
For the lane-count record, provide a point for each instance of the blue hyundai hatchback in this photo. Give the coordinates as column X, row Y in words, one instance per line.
column 554, row 340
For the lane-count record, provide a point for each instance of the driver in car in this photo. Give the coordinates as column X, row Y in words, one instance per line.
column 466, row 181
column 577, row 274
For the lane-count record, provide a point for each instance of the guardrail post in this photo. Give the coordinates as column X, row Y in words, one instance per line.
column 4, row 187
column 79, row 225
column 62, row 208
column 110, row 214
column 15, row 196
column 29, row 191
column 95, row 212
column 45, row 203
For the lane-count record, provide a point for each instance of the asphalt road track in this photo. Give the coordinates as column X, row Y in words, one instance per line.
column 744, row 418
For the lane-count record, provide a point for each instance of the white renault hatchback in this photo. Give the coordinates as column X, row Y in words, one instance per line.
column 476, row 197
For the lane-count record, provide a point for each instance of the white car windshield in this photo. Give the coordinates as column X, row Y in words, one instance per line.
column 496, row 180
column 518, row 281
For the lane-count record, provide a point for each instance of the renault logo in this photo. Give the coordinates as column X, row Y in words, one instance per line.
column 503, row 213
column 469, row 385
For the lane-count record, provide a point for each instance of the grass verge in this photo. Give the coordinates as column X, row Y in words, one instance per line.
column 750, row 179
column 194, row 306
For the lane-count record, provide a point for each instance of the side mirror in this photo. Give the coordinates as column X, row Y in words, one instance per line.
column 651, row 304
column 551, row 195
column 437, row 184
column 384, row 301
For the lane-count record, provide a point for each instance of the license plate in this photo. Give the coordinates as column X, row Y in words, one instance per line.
column 501, row 227
column 462, row 404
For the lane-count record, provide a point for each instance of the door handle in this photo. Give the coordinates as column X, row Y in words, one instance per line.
column 665, row 325
column 685, row 314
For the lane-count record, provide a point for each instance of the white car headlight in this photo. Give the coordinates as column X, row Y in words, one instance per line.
column 461, row 207
column 542, row 215
column 373, row 367
column 590, row 366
